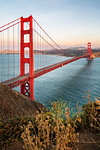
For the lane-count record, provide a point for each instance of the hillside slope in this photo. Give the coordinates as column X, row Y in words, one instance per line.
column 13, row 104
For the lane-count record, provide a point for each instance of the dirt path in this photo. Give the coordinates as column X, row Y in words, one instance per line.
column 88, row 141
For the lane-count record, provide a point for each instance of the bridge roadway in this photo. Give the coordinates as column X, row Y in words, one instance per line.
column 14, row 82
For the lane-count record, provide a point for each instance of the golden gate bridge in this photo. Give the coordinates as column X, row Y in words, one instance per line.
column 22, row 39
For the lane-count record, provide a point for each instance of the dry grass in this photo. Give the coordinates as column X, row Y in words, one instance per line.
column 11, row 130
column 49, row 130
column 57, row 134
column 91, row 114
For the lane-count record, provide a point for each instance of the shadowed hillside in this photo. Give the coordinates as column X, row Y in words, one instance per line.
column 13, row 104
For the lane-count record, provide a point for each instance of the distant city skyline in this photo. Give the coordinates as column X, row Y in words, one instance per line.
column 70, row 23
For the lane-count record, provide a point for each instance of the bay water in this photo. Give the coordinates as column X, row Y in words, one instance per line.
column 68, row 83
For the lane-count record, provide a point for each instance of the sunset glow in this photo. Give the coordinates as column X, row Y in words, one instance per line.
column 69, row 22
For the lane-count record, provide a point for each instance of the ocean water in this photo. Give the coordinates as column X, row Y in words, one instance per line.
column 68, row 83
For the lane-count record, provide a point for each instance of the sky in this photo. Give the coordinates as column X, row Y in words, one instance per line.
column 69, row 22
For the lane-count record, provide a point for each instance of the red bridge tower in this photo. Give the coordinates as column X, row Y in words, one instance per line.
column 89, row 51
column 27, row 88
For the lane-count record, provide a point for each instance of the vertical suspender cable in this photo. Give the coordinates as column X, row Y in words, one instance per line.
column 8, row 50
column 18, row 50
column 37, row 48
column 46, row 57
column 3, row 68
column 34, row 45
column 40, row 48
column 1, row 57
column 13, row 55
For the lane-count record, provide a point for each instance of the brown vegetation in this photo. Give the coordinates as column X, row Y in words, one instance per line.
column 57, row 134
column 50, row 131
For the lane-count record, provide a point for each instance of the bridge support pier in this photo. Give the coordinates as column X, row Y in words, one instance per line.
column 27, row 88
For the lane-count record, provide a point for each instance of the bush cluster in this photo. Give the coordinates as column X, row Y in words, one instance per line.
column 50, row 130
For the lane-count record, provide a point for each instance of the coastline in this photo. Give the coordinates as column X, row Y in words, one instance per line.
column 72, row 54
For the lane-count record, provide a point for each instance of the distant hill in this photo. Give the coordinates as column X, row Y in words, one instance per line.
column 69, row 52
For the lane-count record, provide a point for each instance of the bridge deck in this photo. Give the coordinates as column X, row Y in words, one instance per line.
column 14, row 82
